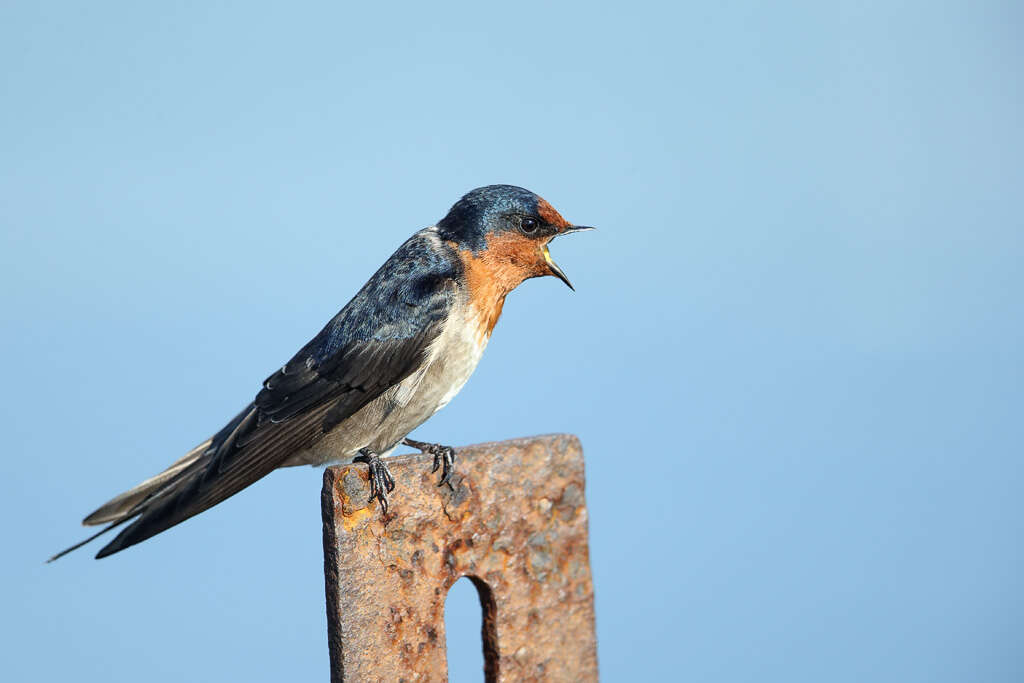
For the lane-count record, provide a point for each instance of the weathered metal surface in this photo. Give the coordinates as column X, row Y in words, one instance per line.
column 513, row 519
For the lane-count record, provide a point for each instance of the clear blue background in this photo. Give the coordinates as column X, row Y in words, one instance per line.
column 794, row 357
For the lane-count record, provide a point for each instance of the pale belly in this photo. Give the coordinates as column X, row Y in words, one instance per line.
column 383, row 423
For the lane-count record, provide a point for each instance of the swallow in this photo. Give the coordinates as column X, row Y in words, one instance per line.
column 397, row 353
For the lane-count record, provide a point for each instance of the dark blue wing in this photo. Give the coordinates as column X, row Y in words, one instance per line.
column 375, row 342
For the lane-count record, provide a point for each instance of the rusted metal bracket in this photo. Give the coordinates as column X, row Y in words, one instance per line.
column 513, row 519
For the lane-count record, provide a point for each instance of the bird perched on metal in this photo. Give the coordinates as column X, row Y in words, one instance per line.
column 397, row 353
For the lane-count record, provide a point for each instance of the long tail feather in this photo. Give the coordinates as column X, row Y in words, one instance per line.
column 96, row 535
column 116, row 508
column 243, row 452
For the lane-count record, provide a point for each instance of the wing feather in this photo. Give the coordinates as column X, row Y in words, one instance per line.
column 376, row 341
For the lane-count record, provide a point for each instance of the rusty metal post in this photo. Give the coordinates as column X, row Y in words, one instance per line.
column 513, row 519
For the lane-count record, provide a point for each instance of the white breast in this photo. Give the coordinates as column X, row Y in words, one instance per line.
column 455, row 354
column 451, row 359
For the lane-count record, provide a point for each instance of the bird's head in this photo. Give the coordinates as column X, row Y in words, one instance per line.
column 506, row 230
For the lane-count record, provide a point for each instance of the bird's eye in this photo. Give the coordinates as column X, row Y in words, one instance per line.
column 528, row 225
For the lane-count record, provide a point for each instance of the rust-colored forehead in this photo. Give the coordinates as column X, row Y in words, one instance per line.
column 548, row 213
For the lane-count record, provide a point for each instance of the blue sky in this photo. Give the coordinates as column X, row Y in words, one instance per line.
column 793, row 357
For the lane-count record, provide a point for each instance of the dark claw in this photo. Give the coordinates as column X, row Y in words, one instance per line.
column 381, row 481
column 444, row 457
column 447, row 457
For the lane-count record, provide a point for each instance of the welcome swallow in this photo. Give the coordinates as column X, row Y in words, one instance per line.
column 397, row 353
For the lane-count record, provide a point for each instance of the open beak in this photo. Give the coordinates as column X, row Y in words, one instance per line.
column 555, row 270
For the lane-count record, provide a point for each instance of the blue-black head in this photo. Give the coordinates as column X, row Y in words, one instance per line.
column 511, row 227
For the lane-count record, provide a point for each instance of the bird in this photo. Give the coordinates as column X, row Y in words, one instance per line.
column 397, row 353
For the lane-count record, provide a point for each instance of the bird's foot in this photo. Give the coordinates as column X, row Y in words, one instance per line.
column 381, row 481
column 444, row 457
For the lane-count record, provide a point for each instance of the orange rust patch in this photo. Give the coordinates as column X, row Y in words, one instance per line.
column 507, row 260
column 548, row 213
column 350, row 522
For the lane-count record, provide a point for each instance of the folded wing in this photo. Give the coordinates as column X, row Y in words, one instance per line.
column 375, row 342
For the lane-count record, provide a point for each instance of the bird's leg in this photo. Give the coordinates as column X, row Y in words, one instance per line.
column 381, row 481
column 444, row 457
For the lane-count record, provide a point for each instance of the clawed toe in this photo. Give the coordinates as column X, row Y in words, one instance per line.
column 444, row 457
column 381, row 481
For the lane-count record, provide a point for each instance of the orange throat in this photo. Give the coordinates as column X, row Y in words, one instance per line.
column 494, row 272
column 486, row 295
column 487, row 318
